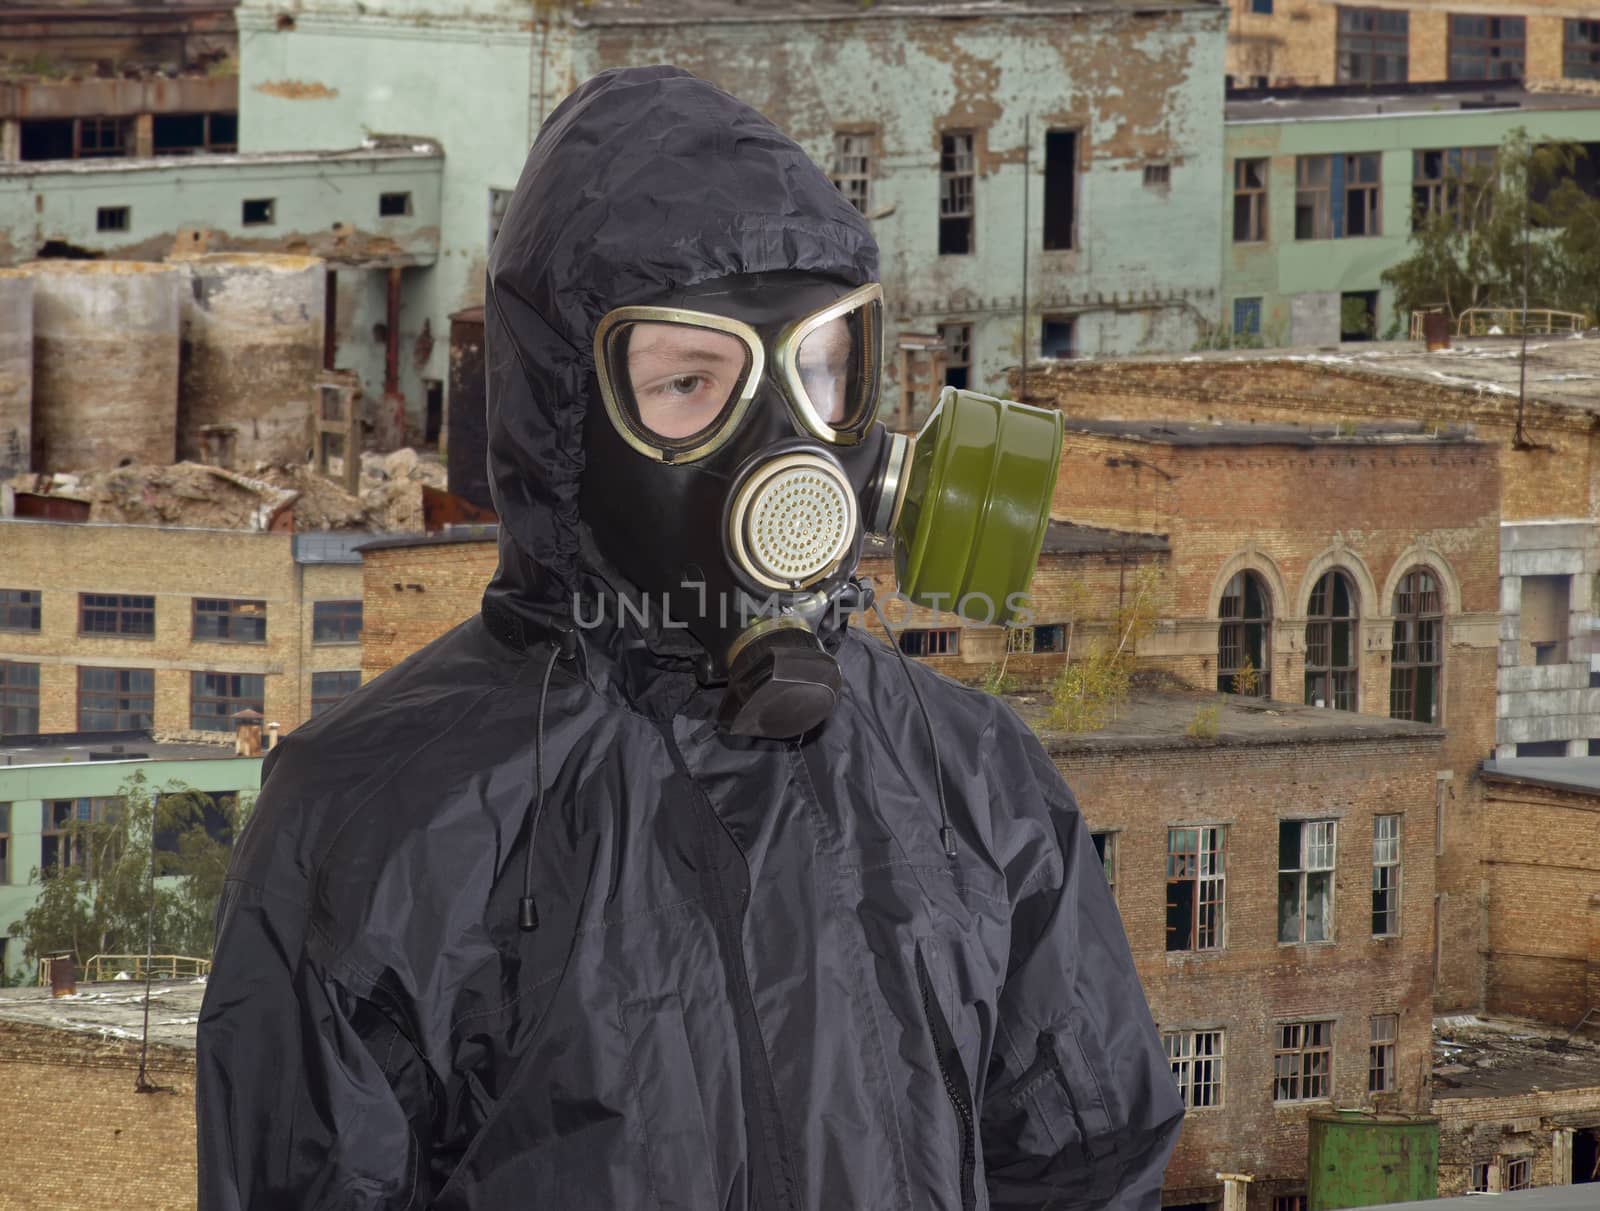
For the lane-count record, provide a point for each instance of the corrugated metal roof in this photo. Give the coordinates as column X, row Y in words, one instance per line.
column 330, row 546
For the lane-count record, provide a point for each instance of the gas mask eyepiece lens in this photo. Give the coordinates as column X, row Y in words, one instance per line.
column 832, row 362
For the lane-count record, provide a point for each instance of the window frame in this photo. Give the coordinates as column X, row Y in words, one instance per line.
column 958, row 188
column 120, row 611
column 14, row 689
column 5, row 843
column 123, row 696
column 234, row 612
column 1254, row 198
column 1105, row 844
column 1319, row 193
column 263, row 206
column 1383, row 1043
column 1342, row 681
column 957, row 338
column 84, row 811
column 946, row 639
column 1486, row 49
column 326, row 701
column 1309, row 1040
column 13, row 601
column 1188, row 1061
column 1233, row 632
column 320, row 624
column 1583, row 55
column 854, row 159
column 394, row 204
column 238, row 701
column 1516, row 1173
column 1478, row 1177
column 1361, row 44
column 1053, row 635
column 1387, row 872
column 1406, row 651
column 1463, row 175
column 1357, row 185
column 1204, row 868
column 1061, row 192
column 1309, row 849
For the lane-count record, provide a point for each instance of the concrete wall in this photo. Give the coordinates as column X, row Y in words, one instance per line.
column 28, row 787
column 176, row 566
column 1299, row 281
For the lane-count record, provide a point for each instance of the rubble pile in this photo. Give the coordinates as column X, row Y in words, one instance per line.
column 263, row 497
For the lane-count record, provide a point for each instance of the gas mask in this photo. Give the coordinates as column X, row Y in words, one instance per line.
column 737, row 466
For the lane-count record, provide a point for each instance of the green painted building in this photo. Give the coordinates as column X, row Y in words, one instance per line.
column 1324, row 183
column 48, row 782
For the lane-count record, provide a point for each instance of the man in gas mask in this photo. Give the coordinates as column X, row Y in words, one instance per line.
column 657, row 885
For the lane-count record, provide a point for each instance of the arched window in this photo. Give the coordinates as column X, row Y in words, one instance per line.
column 1416, row 676
column 1331, row 648
column 1244, row 641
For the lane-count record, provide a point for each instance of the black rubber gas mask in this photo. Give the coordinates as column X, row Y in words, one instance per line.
column 733, row 471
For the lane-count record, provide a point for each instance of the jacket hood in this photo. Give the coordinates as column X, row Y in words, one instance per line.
column 643, row 181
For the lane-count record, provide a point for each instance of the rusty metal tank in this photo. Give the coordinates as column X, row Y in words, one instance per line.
column 105, row 363
column 1362, row 1158
column 16, row 372
column 252, row 326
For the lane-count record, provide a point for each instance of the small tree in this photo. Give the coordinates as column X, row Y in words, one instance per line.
column 1088, row 692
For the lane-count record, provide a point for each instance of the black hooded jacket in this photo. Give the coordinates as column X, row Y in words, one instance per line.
column 758, row 982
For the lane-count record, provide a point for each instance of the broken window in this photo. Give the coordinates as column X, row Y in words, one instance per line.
column 219, row 620
column 1244, row 640
column 1305, row 880
column 1157, row 176
column 1358, row 315
column 1060, row 190
column 1332, row 618
column 1361, row 215
column 192, row 134
column 1519, row 1173
column 1312, row 212
column 49, row 139
column 1451, row 181
column 1581, row 53
column 1478, row 1183
column 1019, row 639
column 1486, row 48
column 852, row 168
column 1105, row 846
column 1385, row 876
column 329, row 688
column 1416, row 671
column 957, row 167
column 1196, row 878
column 1302, row 1061
column 336, row 622
column 1372, row 46
column 111, row 218
column 1288, row 1202
column 1055, row 337
column 1196, row 1057
column 499, row 202
column 116, row 700
column 1247, row 317
column 942, row 642
column 215, row 697
column 1380, row 1053
column 257, row 212
column 957, row 340
column 99, row 137
column 19, row 609
column 1249, row 201
column 394, row 205
column 1050, row 638
column 1545, row 618
column 66, row 832
column 19, row 698
column 116, row 614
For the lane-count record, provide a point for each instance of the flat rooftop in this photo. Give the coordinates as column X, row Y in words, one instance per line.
column 64, row 747
column 1063, row 538
column 112, row 1010
column 1560, row 773
column 1405, row 100
column 1159, row 718
column 1484, row 1057
column 701, row 12
column 418, row 150
column 1233, row 433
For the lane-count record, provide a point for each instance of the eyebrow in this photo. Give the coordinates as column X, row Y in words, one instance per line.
column 682, row 354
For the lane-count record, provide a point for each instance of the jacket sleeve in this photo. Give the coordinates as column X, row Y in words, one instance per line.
column 1080, row 1110
column 294, row 1105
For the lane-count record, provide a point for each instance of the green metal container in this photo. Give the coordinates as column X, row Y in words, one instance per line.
column 1363, row 1159
column 977, row 501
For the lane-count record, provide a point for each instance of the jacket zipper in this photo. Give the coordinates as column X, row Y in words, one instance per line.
column 949, row 1058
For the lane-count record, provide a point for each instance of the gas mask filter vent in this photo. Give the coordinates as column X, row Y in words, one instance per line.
column 792, row 521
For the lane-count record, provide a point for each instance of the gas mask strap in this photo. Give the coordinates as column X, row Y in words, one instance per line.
column 947, row 835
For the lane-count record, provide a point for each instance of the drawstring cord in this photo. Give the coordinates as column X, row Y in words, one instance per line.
column 527, row 911
column 947, row 835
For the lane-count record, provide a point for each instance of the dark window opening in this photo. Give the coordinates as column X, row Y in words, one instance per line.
column 336, row 622
column 116, row 614
column 1372, row 46
column 111, row 218
column 215, row 812
column 1542, row 748
column 223, row 133
column 1302, row 1059
column 5, row 858
column 432, row 411
column 1105, row 848
column 1416, row 669
column 1451, row 181
column 19, row 698
column 1381, row 1075
column 1581, row 50
column 957, row 340
column 1306, row 853
column 327, row 689
column 1358, row 315
column 1050, row 637
column 178, row 134
column 1247, row 317
column 1060, row 189
column 1313, row 210
column 1332, row 619
column 215, row 697
column 67, row 833
column 116, row 700
column 1385, row 876
column 1196, row 880
column 1055, row 337
column 257, row 212
column 19, row 609
column 1196, row 1057
column 1586, row 1156
column 101, row 137
column 394, row 205
column 48, row 139
column 1244, row 639
column 222, row 621
column 1249, row 201
column 957, row 170
column 1264, row 7
column 944, row 642
column 1361, row 180
column 1157, row 176
column 1486, row 48
column 852, row 168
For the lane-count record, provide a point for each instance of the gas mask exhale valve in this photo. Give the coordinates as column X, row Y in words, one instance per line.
column 737, row 466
